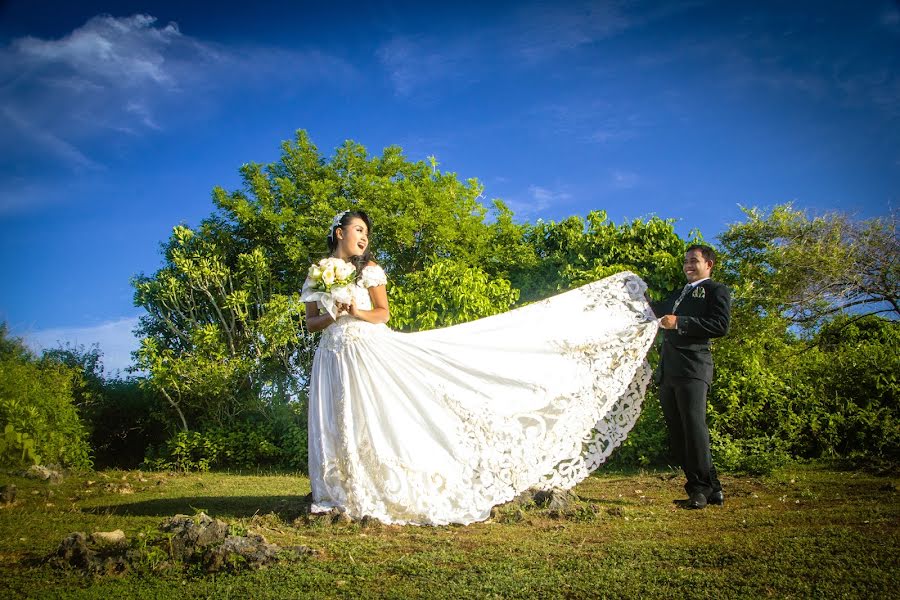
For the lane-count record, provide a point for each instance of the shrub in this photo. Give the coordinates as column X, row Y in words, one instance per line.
column 37, row 411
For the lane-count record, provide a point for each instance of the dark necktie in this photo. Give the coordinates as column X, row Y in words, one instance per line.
column 683, row 295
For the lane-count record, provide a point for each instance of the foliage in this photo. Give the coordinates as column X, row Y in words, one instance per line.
column 445, row 293
column 122, row 416
column 812, row 268
column 776, row 396
column 219, row 335
column 87, row 363
column 576, row 251
column 279, row 441
column 242, row 446
column 37, row 410
column 223, row 337
column 854, row 374
column 224, row 341
column 17, row 448
column 126, row 419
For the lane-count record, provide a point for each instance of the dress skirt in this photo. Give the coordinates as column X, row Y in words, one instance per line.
column 439, row 426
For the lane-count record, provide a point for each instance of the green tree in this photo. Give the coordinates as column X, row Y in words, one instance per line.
column 576, row 251
column 223, row 334
column 812, row 268
column 448, row 292
column 788, row 382
column 37, row 410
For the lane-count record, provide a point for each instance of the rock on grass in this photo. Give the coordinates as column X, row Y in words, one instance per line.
column 212, row 544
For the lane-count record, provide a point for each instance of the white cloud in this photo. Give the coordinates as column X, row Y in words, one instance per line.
column 542, row 31
column 413, row 62
column 106, row 75
column 531, row 34
column 122, row 51
column 126, row 75
column 49, row 142
column 115, row 339
column 624, row 180
column 538, row 200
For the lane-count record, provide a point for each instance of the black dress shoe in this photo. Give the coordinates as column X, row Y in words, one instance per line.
column 696, row 500
column 717, row 498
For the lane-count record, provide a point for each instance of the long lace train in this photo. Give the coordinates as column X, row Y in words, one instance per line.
column 437, row 427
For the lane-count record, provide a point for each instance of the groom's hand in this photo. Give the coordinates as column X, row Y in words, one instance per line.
column 669, row 322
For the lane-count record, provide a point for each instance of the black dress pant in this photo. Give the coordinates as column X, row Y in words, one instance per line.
column 684, row 407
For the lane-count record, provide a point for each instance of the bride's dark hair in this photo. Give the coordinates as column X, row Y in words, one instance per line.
column 363, row 259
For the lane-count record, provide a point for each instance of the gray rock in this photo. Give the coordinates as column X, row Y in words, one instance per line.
column 249, row 551
column 556, row 500
column 189, row 534
column 8, row 493
column 562, row 500
column 340, row 517
column 74, row 551
column 43, row 473
column 199, row 540
column 108, row 538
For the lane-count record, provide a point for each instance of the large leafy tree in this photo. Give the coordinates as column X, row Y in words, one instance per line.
column 804, row 287
column 576, row 250
column 812, row 268
column 223, row 337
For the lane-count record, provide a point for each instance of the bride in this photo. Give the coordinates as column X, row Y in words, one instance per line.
column 437, row 427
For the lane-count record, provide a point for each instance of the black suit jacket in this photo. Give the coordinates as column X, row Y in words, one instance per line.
column 705, row 313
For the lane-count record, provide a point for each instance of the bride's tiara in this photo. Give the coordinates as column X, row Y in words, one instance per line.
column 336, row 222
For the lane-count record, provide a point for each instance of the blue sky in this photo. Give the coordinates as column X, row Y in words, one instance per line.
column 118, row 118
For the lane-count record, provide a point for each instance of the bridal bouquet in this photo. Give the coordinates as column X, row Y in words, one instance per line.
column 329, row 281
column 330, row 273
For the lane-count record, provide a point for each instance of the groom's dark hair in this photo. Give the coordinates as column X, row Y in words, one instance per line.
column 707, row 252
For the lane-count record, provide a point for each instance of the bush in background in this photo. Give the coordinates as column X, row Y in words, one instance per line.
column 37, row 410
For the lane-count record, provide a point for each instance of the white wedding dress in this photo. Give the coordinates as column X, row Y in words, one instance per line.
column 439, row 426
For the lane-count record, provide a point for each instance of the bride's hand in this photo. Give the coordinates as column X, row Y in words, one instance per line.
column 350, row 309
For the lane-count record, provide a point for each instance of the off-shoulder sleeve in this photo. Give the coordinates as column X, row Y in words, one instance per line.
column 372, row 276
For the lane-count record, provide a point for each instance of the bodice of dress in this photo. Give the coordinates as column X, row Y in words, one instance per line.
column 348, row 329
column 371, row 276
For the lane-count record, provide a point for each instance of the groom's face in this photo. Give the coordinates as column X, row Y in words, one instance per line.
column 696, row 267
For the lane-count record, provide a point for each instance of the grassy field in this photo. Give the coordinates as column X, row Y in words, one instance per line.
column 808, row 532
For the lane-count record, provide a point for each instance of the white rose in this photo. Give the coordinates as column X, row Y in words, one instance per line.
column 328, row 276
column 342, row 294
column 345, row 270
column 315, row 272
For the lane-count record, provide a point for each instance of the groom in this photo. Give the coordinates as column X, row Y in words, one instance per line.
column 690, row 317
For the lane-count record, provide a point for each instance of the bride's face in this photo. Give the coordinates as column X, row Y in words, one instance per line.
column 353, row 238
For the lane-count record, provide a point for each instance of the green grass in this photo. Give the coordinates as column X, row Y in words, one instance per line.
column 804, row 532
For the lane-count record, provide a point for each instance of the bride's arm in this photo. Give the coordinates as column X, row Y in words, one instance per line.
column 380, row 312
column 314, row 320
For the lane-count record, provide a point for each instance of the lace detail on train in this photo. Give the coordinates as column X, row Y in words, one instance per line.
column 438, row 426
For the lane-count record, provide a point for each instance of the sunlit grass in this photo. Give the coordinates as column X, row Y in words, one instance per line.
column 803, row 532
